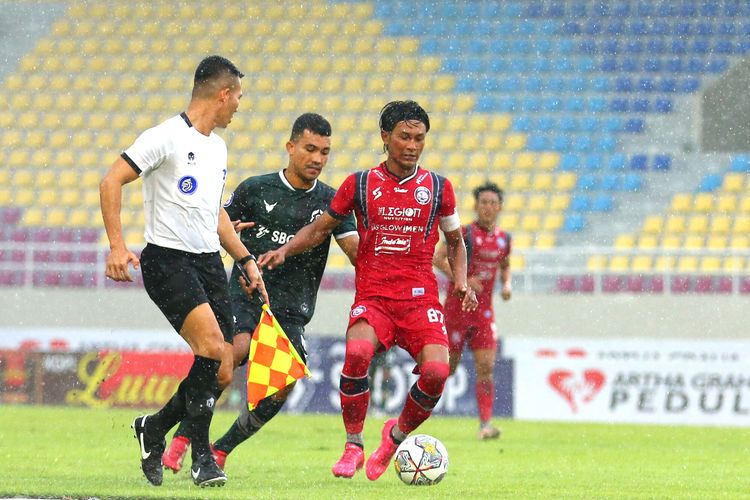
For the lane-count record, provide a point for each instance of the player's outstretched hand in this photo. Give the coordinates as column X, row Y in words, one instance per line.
column 256, row 282
column 240, row 226
column 271, row 259
column 117, row 264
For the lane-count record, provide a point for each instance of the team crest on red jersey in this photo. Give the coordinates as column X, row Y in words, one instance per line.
column 357, row 311
column 422, row 195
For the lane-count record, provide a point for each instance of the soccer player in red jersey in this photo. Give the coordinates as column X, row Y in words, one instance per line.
column 488, row 248
column 399, row 207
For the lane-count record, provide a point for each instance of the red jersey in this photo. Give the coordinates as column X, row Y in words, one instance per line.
column 485, row 250
column 397, row 222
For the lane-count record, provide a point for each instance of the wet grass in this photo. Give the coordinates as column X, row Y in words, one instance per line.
column 81, row 453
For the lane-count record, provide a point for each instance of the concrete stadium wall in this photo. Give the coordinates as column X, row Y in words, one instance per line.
column 724, row 111
column 614, row 316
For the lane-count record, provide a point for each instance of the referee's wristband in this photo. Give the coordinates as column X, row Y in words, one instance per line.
column 247, row 258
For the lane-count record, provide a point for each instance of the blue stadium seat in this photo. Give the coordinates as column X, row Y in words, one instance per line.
column 612, row 124
column 575, row 104
column 662, row 162
column 641, row 105
column 663, row 105
column 580, row 203
column 597, row 104
column 569, row 162
column 619, row 105
column 568, row 124
column 710, row 182
column 632, row 182
column 586, row 182
column 740, row 163
column 589, row 124
column 667, row 85
column 610, row 182
column 617, row 162
column 554, row 84
column 538, row 142
column 635, row 125
column 561, row 143
column 690, row 85
column 606, row 143
column 623, row 84
column 602, row 203
column 546, row 123
column 638, row 162
column 594, row 162
column 574, row 223
column 522, row 123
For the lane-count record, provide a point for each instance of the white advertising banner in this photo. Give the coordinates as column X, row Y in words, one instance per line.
column 631, row 381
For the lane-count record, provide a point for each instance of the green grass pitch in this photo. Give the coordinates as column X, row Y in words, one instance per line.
column 80, row 453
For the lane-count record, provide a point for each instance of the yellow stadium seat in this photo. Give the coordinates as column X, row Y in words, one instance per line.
column 559, row 202
column 6, row 197
column 514, row 202
column 619, row 263
column 56, row 217
column 675, row 224
column 553, row 222
column 549, row 161
column 665, row 263
column 740, row 242
column 542, row 182
column 91, row 198
column 647, row 241
column 508, row 221
column 22, row 178
column 703, row 202
column 48, row 197
column 467, row 203
column 537, row 203
column 455, row 161
column 33, row 216
column 24, row 197
column 337, row 178
column 517, row 262
column 726, row 203
column 741, row 224
column 45, row 179
column 716, row 242
column 733, row 182
column 493, row 142
column 515, row 142
column 653, row 224
column 698, row 224
column 596, row 263
column 744, row 202
column 641, row 263
column 693, row 242
column 520, row 182
column 68, row 179
column 681, row 202
column 710, row 264
column 687, row 264
column 502, row 161
column 18, row 158
column 478, row 123
column 500, row 123
column 531, row 222
column 338, row 261
column 478, row 161
column 500, row 179
column 733, row 264
column 470, row 141
column 545, row 241
column 720, row 224
column 565, row 181
column 525, row 160
column 624, row 241
column 671, row 241
column 521, row 240
column 473, row 180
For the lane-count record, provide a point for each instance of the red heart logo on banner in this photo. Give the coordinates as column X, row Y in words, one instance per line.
column 572, row 389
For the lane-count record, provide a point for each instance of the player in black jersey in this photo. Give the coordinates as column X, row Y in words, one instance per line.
column 278, row 205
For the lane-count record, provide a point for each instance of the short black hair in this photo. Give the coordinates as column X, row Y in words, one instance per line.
column 213, row 68
column 402, row 111
column 312, row 122
column 488, row 186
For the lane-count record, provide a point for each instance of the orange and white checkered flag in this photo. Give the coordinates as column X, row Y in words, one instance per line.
column 273, row 362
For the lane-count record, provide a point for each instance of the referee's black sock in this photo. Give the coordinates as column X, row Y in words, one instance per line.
column 182, row 429
column 248, row 423
column 201, row 386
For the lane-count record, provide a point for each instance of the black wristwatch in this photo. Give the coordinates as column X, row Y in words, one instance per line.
column 244, row 260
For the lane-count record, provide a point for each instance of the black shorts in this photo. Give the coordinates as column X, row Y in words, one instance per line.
column 247, row 314
column 178, row 282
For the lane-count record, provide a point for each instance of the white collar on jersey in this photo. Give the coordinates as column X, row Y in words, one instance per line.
column 405, row 179
column 286, row 182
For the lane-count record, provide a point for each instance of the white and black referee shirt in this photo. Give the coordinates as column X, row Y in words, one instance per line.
column 183, row 175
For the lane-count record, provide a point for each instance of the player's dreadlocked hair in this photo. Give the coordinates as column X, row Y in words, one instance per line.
column 488, row 186
column 312, row 122
column 402, row 111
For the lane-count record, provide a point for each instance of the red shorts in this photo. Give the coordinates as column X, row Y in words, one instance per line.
column 410, row 324
column 477, row 327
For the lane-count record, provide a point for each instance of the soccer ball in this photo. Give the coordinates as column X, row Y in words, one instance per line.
column 421, row 460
